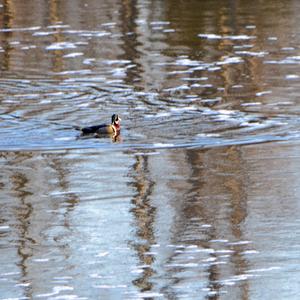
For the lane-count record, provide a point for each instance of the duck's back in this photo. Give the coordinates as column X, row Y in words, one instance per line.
column 103, row 128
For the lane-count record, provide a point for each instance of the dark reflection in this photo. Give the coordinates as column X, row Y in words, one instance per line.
column 197, row 208
column 29, row 214
column 144, row 214
column 57, row 55
column 62, row 173
column 216, row 196
column 233, row 83
column 236, row 185
column 129, row 16
column 6, row 22
column 23, row 212
column 115, row 138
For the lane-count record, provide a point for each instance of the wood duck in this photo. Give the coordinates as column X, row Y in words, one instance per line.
column 113, row 128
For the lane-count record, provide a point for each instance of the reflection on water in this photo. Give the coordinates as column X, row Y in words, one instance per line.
column 197, row 198
column 206, row 224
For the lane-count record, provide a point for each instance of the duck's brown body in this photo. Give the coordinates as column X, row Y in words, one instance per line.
column 100, row 129
column 113, row 128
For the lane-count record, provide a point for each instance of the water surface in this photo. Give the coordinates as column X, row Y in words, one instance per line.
column 198, row 196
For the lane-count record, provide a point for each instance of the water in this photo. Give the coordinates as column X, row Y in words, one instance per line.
column 197, row 198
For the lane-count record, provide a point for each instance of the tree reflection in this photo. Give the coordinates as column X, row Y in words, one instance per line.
column 144, row 214
column 7, row 23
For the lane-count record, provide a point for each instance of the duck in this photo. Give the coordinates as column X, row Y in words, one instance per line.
column 104, row 129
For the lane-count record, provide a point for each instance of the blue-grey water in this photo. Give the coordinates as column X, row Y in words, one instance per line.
column 198, row 197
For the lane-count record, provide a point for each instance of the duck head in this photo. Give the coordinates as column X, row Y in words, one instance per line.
column 116, row 122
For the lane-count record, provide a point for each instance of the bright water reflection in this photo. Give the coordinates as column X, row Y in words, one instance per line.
column 198, row 198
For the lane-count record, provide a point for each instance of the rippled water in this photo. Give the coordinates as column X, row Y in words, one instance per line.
column 198, row 196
